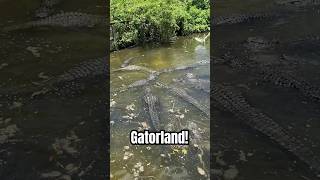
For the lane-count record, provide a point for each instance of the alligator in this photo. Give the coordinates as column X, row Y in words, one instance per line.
column 169, row 70
column 43, row 11
column 127, row 62
column 218, row 61
column 50, row 3
column 258, row 43
column 46, row 8
column 186, row 97
column 153, row 108
column 127, row 67
column 243, row 18
column 298, row 3
column 134, row 68
column 65, row 19
column 223, row 97
column 197, row 83
column 239, row 63
column 248, row 49
column 153, row 74
column 144, row 82
column 87, row 69
column 272, row 74
column 275, row 75
column 185, row 67
column 140, row 83
column 290, row 81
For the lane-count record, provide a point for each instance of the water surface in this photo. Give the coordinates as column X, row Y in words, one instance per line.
column 128, row 113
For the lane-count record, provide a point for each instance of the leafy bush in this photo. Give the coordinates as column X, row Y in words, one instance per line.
column 141, row 21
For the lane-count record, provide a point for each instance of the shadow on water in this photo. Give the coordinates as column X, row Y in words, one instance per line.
column 55, row 135
column 239, row 151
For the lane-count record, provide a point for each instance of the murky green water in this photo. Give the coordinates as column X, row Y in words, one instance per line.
column 128, row 113
column 61, row 137
column 52, row 136
column 237, row 146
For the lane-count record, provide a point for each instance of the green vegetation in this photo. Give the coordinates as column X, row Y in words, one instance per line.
column 141, row 21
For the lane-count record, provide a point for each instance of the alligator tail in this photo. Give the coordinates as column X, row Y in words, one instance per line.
column 237, row 105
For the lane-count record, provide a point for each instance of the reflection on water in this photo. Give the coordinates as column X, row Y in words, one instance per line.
column 237, row 148
column 52, row 136
column 128, row 112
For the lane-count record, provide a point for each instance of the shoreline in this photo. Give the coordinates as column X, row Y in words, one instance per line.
column 137, row 45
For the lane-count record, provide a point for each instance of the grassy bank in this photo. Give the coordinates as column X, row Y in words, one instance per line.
column 140, row 21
